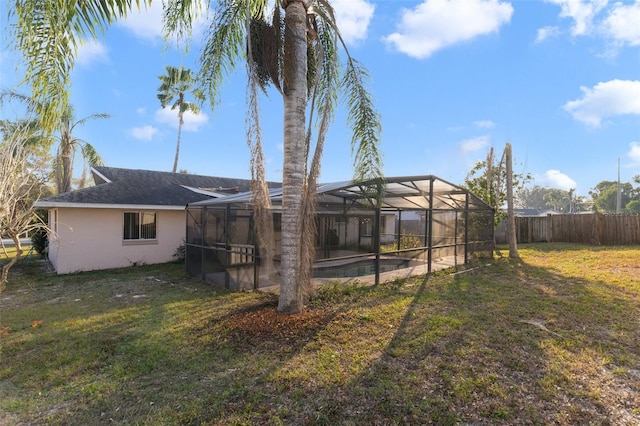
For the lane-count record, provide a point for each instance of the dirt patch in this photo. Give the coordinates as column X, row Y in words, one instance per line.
column 264, row 322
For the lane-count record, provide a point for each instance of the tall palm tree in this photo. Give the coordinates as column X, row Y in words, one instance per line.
column 175, row 84
column 298, row 57
column 68, row 145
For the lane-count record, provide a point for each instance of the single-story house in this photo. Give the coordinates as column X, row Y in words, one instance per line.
column 130, row 217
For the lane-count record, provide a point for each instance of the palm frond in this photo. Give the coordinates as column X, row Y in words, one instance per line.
column 225, row 43
column 365, row 122
column 179, row 15
column 47, row 34
column 90, row 155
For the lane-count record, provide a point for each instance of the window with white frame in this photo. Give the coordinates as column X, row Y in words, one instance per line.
column 139, row 226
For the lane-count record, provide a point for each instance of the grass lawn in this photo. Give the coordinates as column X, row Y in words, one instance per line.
column 551, row 339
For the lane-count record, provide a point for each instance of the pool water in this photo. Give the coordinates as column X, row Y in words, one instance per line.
column 363, row 267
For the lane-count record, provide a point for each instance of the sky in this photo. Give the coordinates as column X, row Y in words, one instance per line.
column 558, row 79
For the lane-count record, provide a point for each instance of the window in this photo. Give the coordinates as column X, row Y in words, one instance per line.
column 366, row 227
column 139, row 226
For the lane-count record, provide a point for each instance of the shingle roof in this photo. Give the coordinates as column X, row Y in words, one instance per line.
column 116, row 186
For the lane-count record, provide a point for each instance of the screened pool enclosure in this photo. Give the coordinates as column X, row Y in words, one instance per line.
column 422, row 224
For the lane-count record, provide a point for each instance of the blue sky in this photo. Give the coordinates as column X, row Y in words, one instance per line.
column 558, row 79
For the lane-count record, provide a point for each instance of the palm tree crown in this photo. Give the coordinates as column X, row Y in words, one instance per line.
column 68, row 146
column 175, row 84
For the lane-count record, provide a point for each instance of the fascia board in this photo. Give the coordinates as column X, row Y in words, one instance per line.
column 54, row 205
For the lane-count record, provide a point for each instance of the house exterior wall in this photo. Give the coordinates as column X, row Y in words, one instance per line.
column 91, row 239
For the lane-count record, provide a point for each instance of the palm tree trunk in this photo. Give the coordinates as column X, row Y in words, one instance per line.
column 175, row 160
column 66, row 167
column 293, row 173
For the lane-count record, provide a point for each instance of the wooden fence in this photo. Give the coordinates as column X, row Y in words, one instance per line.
column 592, row 229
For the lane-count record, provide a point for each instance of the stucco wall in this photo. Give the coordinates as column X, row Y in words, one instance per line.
column 90, row 239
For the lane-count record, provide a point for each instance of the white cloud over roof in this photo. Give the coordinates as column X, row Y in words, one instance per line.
column 353, row 18
column 144, row 133
column 192, row 122
column 606, row 99
column 436, row 24
column 474, row 144
column 90, row 52
column 557, row 179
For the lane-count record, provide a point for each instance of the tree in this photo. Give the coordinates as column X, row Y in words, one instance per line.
column 175, row 84
column 513, row 242
column 68, row 145
column 558, row 199
column 541, row 198
column 487, row 179
column 604, row 195
column 21, row 183
column 632, row 207
column 532, row 198
column 295, row 55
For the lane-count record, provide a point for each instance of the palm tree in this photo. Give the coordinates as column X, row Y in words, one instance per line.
column 297, row 55
column 68, row 145
column 175, row 84
column 298, row 58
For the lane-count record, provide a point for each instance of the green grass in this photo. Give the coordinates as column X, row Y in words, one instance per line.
column 549, row 339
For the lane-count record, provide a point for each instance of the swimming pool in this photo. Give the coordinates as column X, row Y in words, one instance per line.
column 361, row 268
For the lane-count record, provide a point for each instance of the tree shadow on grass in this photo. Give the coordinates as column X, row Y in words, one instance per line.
column 509, row 344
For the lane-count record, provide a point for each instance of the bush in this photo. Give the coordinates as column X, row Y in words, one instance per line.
column 39, row 240
column 180, row 253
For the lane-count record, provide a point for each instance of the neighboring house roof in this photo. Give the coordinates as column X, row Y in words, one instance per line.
column 116, row 187
column 533, row 212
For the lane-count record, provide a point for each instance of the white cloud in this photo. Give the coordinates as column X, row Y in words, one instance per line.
column 581, row 11
column 606, row 99
column 474, row 144
column 634, row 152
column 353, row 17
column 485, row 124
column 141, row 110
column 557, row 179
column 90, row 52
column 436, row 24
column 147, row 22
column 623, row 23
column 546, row 32
column 144, row 133
column 191, row 121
